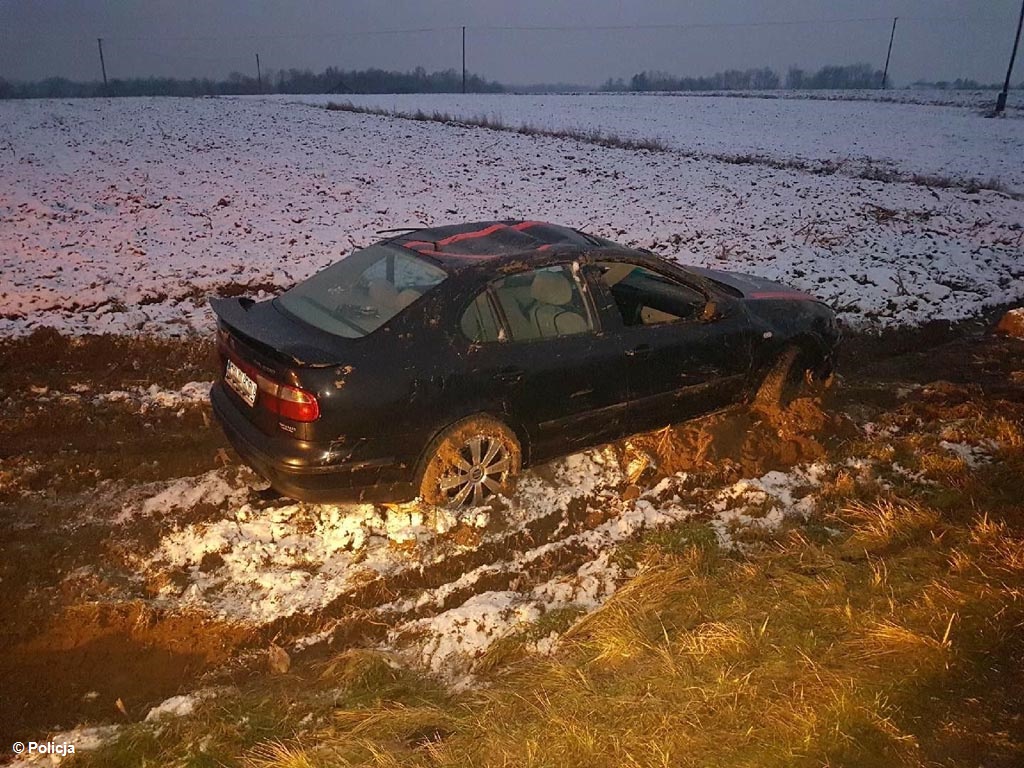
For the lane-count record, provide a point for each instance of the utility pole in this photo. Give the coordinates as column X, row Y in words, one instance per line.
column 1001, row 101
column 259, row 75
column 885, row 74
column 464, row 59
column 103, row 66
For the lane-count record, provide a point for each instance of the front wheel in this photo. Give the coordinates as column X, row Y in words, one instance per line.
column 787, row 379
column 469, row 462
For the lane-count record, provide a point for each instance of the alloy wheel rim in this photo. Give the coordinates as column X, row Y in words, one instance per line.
column 476, row 471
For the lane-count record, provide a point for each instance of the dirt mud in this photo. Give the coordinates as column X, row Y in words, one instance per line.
column 78, row 628
column 107, row 662
column 743, row 441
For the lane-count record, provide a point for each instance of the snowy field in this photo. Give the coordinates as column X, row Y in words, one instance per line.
column 858, row 136
column 124, row 215
column 980, row 100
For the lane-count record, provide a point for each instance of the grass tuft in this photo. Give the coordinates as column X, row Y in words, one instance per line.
column 276, row 754
column 885, row 523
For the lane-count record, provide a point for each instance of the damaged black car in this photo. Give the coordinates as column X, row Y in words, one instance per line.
column 439, row 362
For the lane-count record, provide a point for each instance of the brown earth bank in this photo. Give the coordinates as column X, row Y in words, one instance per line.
column 77, row 633
column 106, row 662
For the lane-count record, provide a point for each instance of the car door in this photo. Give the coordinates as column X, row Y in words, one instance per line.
column 536, row 341
column 689, row 349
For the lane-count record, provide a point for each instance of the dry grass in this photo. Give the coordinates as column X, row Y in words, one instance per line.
column 592, row 136
column 275, row 754
column 884, row 522
column 887, row 632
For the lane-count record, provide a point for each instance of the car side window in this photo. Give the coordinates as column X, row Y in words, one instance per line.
column 645, row 297
column 479, row 323
column 543, row 303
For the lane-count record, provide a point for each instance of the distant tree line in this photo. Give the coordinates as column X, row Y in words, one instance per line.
column 961, row 84
column 331, row 80
column 730, row 80
column 832, row 77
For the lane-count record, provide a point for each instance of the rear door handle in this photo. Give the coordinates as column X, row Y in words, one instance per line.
column 510, row 375
column 639, row 350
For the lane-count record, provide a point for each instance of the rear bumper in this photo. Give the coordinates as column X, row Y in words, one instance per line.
column 298, row 469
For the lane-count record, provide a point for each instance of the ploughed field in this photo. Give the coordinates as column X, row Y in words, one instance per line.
column 123, row 215
column 145, row 569
column 892, row 134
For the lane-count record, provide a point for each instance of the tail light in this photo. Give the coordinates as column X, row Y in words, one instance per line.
column 287, row 401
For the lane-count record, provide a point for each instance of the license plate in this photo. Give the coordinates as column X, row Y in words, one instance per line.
column 241, row 382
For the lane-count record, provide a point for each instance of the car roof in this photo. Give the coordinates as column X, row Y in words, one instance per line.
column 461, row 245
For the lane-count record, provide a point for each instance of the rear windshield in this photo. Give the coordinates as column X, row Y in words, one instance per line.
column 360, row 293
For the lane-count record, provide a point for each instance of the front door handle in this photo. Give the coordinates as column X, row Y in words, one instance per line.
column 639, row 350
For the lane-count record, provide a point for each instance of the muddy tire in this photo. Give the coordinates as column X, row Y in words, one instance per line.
column 469, row 462
column 784, row 383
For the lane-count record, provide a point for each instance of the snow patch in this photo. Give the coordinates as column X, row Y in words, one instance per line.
column 176, row 706
column 973, row 455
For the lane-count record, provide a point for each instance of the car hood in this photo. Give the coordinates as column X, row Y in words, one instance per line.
column 261, row 323
column 754, row 287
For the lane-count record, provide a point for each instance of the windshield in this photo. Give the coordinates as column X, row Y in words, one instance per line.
column 358, row 294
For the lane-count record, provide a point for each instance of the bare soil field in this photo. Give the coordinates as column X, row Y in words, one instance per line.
column 89, row 637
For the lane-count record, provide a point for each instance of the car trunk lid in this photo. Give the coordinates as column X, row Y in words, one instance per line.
column 275, row 334
column 262, row 354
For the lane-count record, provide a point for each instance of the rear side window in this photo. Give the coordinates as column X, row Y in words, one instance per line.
column 360, row 293
column 543, row 303
column 479, row 323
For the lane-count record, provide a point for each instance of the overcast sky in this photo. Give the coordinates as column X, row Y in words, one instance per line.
column 935, row 39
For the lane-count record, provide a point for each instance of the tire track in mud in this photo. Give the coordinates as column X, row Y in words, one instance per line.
column 548, row 519
column 177, row 647
column 496, row 552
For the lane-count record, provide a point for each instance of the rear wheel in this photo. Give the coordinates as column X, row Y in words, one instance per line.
column 469, row 462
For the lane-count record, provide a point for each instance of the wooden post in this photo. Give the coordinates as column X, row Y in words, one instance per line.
column 885, row 74
column 1001, row 101
column 103, row 65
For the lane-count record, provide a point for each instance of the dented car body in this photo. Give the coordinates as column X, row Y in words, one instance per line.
column 519, row 341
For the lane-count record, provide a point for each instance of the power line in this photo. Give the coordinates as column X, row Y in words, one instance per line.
column 526, row 28
column 729, row 24
column 244, row 38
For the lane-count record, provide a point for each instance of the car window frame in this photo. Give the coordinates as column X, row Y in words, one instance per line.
column 492, row 302
column 575, row 266
column 611, row 314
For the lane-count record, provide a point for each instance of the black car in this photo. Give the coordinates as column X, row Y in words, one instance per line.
column 440, row 361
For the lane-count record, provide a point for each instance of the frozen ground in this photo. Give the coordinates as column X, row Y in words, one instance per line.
column 124, row 215
column 948, row 142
